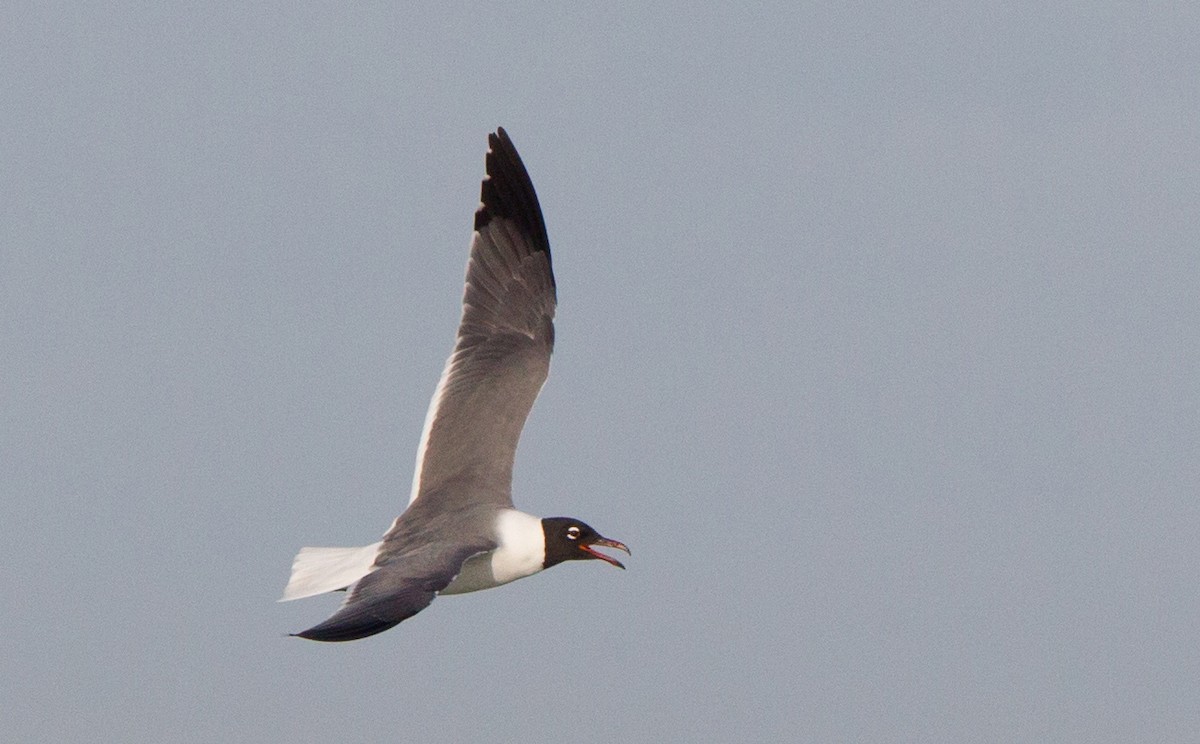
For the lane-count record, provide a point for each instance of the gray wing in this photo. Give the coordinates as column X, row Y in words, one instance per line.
column 400, row 588
column 502, row 354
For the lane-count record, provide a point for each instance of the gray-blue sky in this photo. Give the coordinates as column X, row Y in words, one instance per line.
column 876, row 342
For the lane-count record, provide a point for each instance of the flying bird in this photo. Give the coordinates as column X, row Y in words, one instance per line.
column 460, row 532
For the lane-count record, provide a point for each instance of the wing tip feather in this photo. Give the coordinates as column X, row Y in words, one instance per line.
column 507, row 192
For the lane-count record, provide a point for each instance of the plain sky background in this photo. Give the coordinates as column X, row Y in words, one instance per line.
column 878, row 343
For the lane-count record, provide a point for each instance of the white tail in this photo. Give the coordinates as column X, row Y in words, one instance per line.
column 319, row 570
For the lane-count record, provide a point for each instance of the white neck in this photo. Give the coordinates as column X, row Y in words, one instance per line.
column 521, row 553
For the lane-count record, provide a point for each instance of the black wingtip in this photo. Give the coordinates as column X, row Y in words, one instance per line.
column 507, row 192
column 336, row 632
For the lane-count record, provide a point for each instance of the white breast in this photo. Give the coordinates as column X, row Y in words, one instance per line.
column 521, row 553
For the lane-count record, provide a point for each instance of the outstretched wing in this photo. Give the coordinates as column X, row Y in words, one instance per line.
column 502, row 354
column 394, row 592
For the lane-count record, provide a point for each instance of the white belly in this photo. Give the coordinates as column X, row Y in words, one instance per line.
column 522, row 553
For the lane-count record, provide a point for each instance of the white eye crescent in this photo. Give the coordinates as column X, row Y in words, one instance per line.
column 572, row 533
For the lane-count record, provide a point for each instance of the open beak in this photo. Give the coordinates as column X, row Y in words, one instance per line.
column 605, row 542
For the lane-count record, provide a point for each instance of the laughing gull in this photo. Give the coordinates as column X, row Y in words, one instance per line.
column 460, row 532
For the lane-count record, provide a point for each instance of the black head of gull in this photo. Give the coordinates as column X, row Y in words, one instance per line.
column 569, row 539
column 460, row 532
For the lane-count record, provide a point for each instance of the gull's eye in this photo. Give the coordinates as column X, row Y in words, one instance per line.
column 572, row 533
